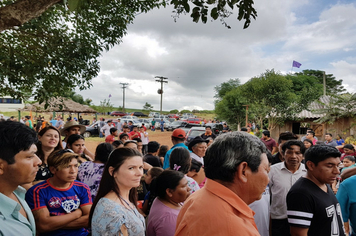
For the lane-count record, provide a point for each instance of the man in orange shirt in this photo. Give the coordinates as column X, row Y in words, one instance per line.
column 236, row 167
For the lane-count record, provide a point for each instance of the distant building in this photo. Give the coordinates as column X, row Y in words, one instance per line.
column 8, row 103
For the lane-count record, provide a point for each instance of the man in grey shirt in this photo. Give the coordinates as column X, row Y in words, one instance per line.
column 329, row 140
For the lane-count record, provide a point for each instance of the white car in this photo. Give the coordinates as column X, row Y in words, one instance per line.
column 129, row 117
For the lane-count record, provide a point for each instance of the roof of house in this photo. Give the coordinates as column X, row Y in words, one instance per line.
column 59, row 104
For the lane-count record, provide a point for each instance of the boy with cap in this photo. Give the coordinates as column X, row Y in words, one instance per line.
column 177, row 138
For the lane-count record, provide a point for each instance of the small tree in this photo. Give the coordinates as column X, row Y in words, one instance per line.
column 148, row 107
column 175, row 111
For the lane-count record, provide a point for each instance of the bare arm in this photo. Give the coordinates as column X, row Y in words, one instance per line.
column 89, row 154
column 81, row 221
column 296, row 231
column 45, row 222
column 274, row 150
column 348, row 173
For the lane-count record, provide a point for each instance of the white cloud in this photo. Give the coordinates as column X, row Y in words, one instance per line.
column 197, row 57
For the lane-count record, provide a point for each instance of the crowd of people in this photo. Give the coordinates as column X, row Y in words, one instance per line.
column 234, row 183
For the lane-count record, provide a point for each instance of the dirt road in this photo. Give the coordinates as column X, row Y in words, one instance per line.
column 164, row 138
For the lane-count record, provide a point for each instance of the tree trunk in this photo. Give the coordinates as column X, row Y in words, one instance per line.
column 22, row 11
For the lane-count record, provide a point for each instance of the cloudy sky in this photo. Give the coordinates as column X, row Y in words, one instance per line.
column 320, row 34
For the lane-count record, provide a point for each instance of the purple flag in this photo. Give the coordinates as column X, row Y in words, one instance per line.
column 296, row 64
column 110, row 94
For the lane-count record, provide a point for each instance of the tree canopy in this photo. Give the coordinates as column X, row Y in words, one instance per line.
column 51, row 46
column 271, row 96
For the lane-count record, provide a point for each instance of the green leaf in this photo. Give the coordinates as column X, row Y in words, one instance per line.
column 214, row 13
column 186, row 6
column 73, row 4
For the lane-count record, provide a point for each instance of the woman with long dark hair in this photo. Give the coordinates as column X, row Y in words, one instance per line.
column 180, row 160
column 171, row 189
column 114, row 211
column 76, row 143
column 49, row 141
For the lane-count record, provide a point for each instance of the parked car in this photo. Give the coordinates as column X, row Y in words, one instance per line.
column 130, row 117
column 181, row 124
column 188, row 115
column 192, row 133
column 154, row 114
column 216, row 128
column 117, row 113
column 93, row 129
column 139, row 114
column 147, row 122
column 194, row 120
column 175, row 116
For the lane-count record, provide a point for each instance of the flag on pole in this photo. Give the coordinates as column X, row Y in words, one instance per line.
column 296, row 64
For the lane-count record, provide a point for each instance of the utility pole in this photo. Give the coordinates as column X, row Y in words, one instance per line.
column 162, row 80
column 324, row 83
column 124, row 86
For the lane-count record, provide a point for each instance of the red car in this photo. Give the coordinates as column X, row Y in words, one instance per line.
column 194, row 120
column 175, row 116
column 118, row 113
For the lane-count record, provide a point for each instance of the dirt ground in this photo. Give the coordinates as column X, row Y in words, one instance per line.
column 164, row 138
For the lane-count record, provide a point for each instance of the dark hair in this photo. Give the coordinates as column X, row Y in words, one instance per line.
column 311, row 132
column 130, row 141
column 195, row 165
column 59, row 146
column 103, row 151
column 266, row 133
column 113, row 130
column 329, row 134
column 108, row 183
column 163, row 150
column 138, row 140
column 318, row 153
column 349, row 146
column 152, row 147
column 14, row 138
column 207, row 126
column 73, row 138
column 351, row 158
column 117, row 143
column 290, row 143
column 168, row 179
column 180, row 156
column 123, row 135
column 155, row 172
column 309, row 141
column 228, row 151
column 244, row 129
column 178, row 140
column 285, row 136
column 339, row 136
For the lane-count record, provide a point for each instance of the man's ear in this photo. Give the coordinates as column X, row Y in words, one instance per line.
column 310, row 165
column 3, row 164
column 242, row 171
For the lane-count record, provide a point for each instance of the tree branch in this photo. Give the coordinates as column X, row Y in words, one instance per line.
column 22, row 11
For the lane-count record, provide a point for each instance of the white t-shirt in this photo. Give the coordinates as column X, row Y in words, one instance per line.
column 143, row 138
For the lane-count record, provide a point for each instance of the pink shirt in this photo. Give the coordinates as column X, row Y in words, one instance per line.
column 161, row 220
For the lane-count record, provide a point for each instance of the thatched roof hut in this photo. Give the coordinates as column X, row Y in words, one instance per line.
column 59, row 104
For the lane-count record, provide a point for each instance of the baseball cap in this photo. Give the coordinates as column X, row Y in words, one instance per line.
column 178, row 133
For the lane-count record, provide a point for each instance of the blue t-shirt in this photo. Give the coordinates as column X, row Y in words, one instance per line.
column 166, row 157
column 59, row 202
